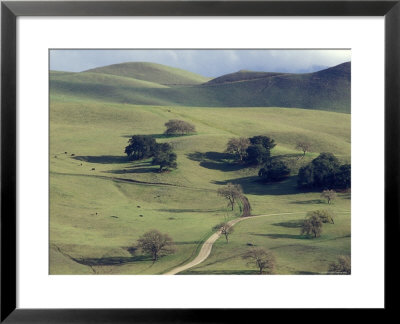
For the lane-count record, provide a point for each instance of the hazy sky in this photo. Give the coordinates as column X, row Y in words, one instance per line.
column 210, row 63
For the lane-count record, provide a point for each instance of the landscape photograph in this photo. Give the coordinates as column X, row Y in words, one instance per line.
column 199, row 162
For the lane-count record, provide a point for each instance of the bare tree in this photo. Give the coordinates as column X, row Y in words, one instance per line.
column 179, row 127
column 238, row 147
column 225, row 229
column 342, row 266
column 312, row 225
column 303, row 146
column 155, row 243
column 329, row 195
column 261, row 258
column 232, row 192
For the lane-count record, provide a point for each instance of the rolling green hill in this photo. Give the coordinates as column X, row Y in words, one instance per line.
column 152, row 72
column 154, row 84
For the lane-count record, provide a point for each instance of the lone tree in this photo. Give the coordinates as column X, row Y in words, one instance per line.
column 179, row 127
column 232, row 192
column 164, row 157
column 312, row 225
column 274, row 171
column 342, row 266
column 140, row 147
column 303, row 146
column 238, row 147
column 326, row 216
column 156, row 244
column 263, row 259
column 329, row 195
column 225, row 229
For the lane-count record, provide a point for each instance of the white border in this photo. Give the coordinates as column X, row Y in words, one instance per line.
column 364, row 288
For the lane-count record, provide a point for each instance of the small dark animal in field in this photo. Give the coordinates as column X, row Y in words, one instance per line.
column 114, row 216
column 171, row 218
column 55, row 156
column 250, row 244
column 169, row 110
column 140, row 215
column 96, row 213
column 81, row 164
column 93, row 169
column 66, row 152
column 72, row 154
column 138, row 206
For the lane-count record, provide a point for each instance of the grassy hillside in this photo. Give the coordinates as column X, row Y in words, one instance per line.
column 152, row 72
column 153, row 84
column 100, row 203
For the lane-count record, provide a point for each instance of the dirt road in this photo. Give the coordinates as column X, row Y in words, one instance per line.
column 208, row 244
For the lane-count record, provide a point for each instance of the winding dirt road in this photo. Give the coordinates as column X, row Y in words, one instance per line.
column 207, row 246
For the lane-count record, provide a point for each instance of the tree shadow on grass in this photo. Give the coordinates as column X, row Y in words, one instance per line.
column 109, row 261
column 280, row 236
column 253, row 186
column 103, row 159
column 215, row 161
column 308, row 273
column 307, row 202
column 290, row 224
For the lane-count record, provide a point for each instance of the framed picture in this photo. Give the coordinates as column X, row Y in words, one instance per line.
column 136, row 135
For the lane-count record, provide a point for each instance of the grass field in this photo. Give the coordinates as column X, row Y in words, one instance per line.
column 100, row 203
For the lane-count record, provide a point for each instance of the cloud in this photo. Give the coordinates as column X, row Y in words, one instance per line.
column 210, row 63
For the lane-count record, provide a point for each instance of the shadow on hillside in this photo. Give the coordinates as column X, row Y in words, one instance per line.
column 253, row 186
column 215, row 161
column 290, row 224
column 159, row 136
column 308, row 273
column 279, row 236
column 188, row 210
column 307, row 202
column 219, row 272
column 186, row 242
column 133, row 170
column 112, row 260
column 103, row 159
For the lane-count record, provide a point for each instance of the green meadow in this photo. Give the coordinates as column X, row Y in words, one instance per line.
column 101, row 203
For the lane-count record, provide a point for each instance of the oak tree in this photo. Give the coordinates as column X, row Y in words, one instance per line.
column 263, row 259
column 156, row 244
column 225, row 229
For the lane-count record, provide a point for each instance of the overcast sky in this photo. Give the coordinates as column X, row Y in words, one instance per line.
column 210, row 63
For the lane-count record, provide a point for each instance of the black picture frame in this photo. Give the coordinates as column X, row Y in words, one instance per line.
column 10, row 10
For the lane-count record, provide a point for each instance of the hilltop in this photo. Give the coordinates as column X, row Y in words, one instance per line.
column 155, row 84
column 156, row 73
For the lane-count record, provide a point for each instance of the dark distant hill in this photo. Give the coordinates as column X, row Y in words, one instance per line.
column 155, row 84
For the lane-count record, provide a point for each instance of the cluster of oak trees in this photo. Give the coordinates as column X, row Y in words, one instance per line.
column 325, row 171
column 255, row 151
column 145, row 146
